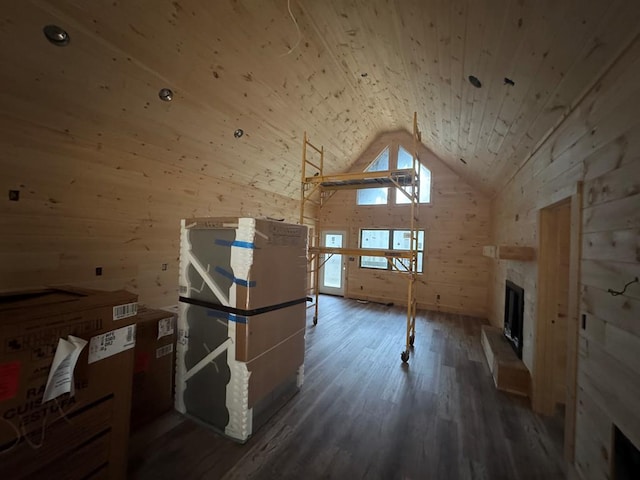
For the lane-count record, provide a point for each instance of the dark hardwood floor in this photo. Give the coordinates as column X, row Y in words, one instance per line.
column 362, row 414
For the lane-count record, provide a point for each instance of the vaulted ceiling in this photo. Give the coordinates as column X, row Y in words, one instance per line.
column 344, row 71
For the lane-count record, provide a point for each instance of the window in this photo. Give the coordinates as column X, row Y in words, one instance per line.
column 375, row 196
column 405, row 160
column 390, row 159
column 374, row 239
column 390, row 239
column 402, row 241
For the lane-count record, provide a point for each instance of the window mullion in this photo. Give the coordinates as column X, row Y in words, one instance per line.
column 390, row 246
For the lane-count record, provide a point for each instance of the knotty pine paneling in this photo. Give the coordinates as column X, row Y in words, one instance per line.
column 456, row 275
column 82, row 208
column 599, row 144
column 343, row 71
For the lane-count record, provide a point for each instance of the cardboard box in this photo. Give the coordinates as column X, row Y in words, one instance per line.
column 255, row 263
column 273, row 367
column 86, row 429
column 241, row 320
column 226, row 393
column 69, row 427
column 154, row 367
column 255, row 334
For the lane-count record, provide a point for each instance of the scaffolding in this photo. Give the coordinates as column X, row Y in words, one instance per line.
column 317, row 189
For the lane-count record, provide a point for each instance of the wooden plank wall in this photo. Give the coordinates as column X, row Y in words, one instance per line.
column 106, row 170
column 457, row 226
column 84, row 205
column 598, row 143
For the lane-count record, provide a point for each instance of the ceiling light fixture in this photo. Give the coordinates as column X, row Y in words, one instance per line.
column 165, row 94
column 474, row 81
column 56, row 35
column 238, row 133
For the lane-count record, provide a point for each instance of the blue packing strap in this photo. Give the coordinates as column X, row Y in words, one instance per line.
column 237, row 281
column 235, row 243
column 237, row 318
column 232, row 317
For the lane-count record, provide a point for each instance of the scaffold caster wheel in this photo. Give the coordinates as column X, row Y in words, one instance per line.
column 411, row 340
column 404, row 356
column 315, row 320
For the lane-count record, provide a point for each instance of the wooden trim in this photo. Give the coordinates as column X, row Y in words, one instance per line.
column 542, row 400
column 573, row 325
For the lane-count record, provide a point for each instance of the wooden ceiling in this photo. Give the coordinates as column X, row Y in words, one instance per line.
column 342, row 70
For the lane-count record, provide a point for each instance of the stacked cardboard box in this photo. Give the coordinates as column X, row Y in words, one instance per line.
column 83, row 433
column 154, row 367
column 240, row 350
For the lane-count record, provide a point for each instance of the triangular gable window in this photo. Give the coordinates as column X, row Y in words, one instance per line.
column 405, row 160
column 376, row 196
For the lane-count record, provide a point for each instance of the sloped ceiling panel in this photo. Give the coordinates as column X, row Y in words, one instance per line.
column 342, row 70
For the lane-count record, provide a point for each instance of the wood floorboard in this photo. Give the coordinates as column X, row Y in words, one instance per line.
column 362, row 414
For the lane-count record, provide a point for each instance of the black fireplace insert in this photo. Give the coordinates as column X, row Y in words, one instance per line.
column 513, row 316
column 626, row 462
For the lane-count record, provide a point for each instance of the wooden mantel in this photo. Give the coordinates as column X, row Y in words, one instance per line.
column 509, row 252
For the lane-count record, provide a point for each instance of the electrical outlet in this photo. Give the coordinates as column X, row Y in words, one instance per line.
column 14, row 195
column 438, row 297
column 98, row 271
column 164, row 266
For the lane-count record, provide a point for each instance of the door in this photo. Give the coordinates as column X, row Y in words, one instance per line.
column 332, row 269
column 554, row 375
column 560, row 312
column 550, row 358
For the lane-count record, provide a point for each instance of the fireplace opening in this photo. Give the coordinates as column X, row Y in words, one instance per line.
column 626, row 461
column 513, row 316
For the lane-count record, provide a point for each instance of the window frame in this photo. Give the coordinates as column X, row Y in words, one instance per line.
column 391, row 231
column 389, row 151
column 397, row 193
column 392, row 198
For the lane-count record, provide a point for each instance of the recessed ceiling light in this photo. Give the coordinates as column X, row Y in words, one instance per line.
column 463, row 161
column 474, row 81
column 238, row 133
column 165, row 94
column 56, row 35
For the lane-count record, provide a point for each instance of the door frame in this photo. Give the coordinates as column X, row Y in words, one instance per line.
column 331, row 290
column 542, row 398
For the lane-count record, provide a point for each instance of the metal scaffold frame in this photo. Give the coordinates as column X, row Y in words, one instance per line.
column 316, row 189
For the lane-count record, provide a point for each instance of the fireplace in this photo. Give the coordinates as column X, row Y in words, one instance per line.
column 513, row 316
column 626, row 461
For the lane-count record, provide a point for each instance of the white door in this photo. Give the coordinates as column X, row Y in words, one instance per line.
column 333, row 268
